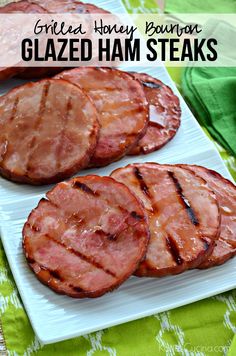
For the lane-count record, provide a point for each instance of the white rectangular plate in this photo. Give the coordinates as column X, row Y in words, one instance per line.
column 54, row 317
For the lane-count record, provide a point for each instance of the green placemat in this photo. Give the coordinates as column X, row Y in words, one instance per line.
column 203, row 328
column 201, row 6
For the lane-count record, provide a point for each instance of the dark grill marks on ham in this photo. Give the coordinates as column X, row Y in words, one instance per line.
column 42, row 107
column 106, row 235
column 56, row 275
column 41, row 145
column 183, row 199
column 183, row 214
column 136, row 216
column 84, row 188
column 142, row 184
column 164, row 113
column 122, row 109
column 225, row 191
column 88, row 259
column 206, row 243
column 81, row 242
column 174, row 250
column 14, row 109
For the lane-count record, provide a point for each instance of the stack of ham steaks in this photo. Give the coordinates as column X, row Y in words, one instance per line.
column 91, row 233
column 43, row 7
column 83, row 117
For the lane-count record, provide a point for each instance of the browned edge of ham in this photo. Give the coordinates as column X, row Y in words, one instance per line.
column 184, row 217
column 225, row 190
column 82, row 240
column 48, row 131
column 164, row 115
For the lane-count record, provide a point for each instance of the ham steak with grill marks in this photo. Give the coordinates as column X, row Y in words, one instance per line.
column 225, row 191
column 184, row 218
column 23, row 7
column 48, row 131
column 87, row 237
column 164, row 114
column 121, row 105
column 60, row 6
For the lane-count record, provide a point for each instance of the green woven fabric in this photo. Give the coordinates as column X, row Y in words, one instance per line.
column 201, row 6
column 203, row 328
column 200, row 329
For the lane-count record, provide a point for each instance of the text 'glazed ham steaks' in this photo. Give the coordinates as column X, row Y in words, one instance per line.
column 184, row 218
column 122, row 107
column 87, row 237
column 164, row 115
column 225, row 191
column 48, row 131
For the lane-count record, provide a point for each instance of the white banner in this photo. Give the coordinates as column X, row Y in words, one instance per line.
column 69, row 40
